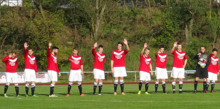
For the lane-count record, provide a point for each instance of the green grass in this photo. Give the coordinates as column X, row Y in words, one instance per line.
column 109, row 101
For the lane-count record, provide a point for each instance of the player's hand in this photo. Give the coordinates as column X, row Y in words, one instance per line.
column 49, row 44
column 36, row 74
column 10, row 55
column 184, row 66
column 59, row 74
column 95, row 45
column 158, row 52
column 218, row 73
column 82, row 73
column 152, row 73
column 145, row 45
column 125, row 41
column 175, row 44
column 112, row 71
column 25, row 45
column 199, row 54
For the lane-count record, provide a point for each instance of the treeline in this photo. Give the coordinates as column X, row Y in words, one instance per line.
column 80, row 23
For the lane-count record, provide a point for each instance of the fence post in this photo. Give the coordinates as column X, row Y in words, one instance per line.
column 135, row 76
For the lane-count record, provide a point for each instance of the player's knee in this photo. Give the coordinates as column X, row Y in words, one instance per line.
column 32, row 85
column 180, row 82
column 116, row 82
column 52, row 85
column 70, row 83
column 146, row 82
column 173, row 83
column 163, row 82
column 7, row 84
column 156, row 82
column 95, row 83
column 213, row 82
column 79, row 83
column 121, row 81
column 141, row 82
column 16, row 85
column 100, row 83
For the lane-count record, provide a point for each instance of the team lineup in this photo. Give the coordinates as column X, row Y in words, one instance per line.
column 207, row 68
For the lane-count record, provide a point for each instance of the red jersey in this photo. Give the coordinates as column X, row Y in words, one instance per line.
column 214, row 66
column 11, row 64
column 52, row 62
column 179, row 57
column 76, row 62
column 145, row 63
column 119, row 58
column 161, row 60
column 30, row 61
column 99, row 60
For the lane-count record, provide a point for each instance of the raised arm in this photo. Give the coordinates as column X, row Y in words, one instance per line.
column 174, row 46
column 5, row 59
column 126, row 43
column 25, row 49
column 93, row 50
column 145, row 46
column 48, row 50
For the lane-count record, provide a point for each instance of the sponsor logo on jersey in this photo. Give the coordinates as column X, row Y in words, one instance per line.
column 118, row 55
column 180, row 56
column 76, row 60
column 214, row 61
column 162, row 58
column 100, row 58
column 31, row 60
column 54, row 58
column 147, row 61
column 12, row 61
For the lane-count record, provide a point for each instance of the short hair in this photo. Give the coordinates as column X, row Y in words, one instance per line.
column 29, row 49
column 161, row 46
column 120, row 43
column 54, row 48
column 178, row 43
column 202, row 46
column 214, row 49
column 13, row 52
column 100, row 46
column 147, row 49
column 75, row 48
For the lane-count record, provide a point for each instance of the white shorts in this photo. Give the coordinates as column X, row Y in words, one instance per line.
column 75, row 75
column 52, row 75
column 144, row 76
column 178, row 73
column 11, row 77
column 29, row 75
column 98, row 74
column 212, row 76
column 119, row 72
column 161, row 73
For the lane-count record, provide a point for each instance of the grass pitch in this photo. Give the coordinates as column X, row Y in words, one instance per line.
column 131, row 100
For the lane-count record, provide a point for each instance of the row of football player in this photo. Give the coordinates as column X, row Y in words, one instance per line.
column 117, row 68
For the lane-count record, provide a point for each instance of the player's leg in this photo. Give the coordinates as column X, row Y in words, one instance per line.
column 213, row 85
column 80, row 88
column 140, row 86
column 52, row 85
column 6, row 88
column 100, row 86
column 204, row 85
column 164, row 86
column 180, row 85
column 174, row 85
column 146, row 87
column 147, row 79
column 156, row 85
column 8, row 78
column 27, row 88
column 33, row 88
column 17, row 89
column 115, row 85
column 208, row 80
column 196, row 79
column 122, row 85
column 95, row 86
column 15, row 80
column 69, row 88
column 174, row 76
